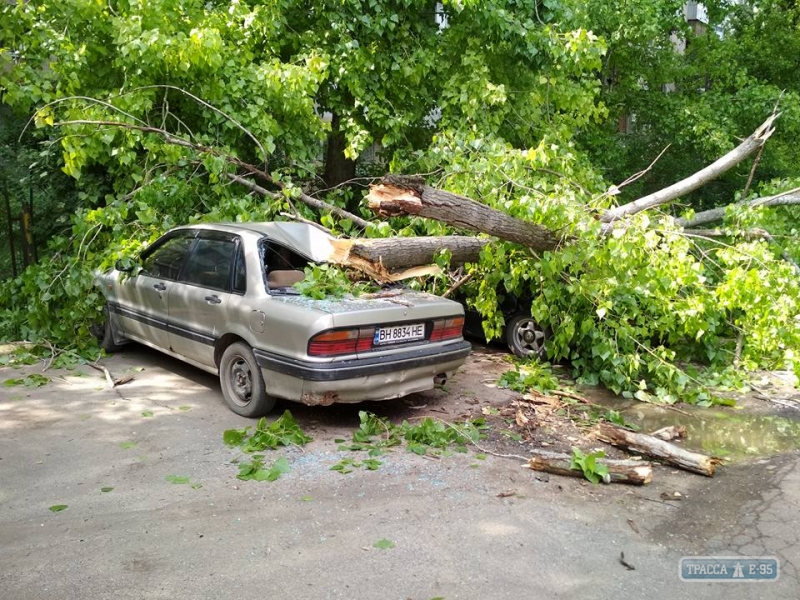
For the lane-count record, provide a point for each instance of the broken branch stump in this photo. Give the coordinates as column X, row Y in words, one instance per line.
column 409, row 195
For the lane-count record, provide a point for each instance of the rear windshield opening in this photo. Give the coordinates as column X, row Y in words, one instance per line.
column 283, row 268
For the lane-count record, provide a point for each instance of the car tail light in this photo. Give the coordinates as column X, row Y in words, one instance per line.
column 341, row 341
column 447, row 329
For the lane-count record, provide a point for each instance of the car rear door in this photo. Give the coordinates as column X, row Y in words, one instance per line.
column 200, row 302
column 142, row 300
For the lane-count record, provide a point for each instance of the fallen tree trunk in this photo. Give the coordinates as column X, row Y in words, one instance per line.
column 408, row 195
column 399, row 252
column 634, row 472
column 654, row 447
column 393, row 259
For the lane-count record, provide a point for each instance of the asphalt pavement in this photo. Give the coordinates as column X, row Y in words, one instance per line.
column 153, row 508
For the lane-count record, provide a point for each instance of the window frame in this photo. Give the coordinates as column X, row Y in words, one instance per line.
column 215, row 235
column 182, row 233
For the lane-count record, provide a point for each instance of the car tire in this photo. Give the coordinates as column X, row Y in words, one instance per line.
column 525, row 338
column 104, row 332
column 242, row 382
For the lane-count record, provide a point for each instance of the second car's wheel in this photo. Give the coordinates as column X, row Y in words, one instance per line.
column 525, row 337
column 104, row 332
column 242, row 382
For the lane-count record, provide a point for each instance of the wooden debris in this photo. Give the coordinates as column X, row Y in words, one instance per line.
column 633, row 525
column 105, row 371
column 397, row 258
column 634, row 472
column 671, row 432
column 657, row 448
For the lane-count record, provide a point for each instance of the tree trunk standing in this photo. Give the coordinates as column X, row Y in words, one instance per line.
column 28, row 248
column 338, row 168
column 634, row 472
column 10, row 225
column 652, row 446
column 402, row 195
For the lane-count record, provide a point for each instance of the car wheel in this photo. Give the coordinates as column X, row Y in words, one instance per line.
column 525, row 337
column 242, row 382
column 104, row 332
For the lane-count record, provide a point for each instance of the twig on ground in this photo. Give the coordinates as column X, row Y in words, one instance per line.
column 105, row 371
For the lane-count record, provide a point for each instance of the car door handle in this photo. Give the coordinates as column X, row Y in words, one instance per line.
column 160, row 287
column 213, row 299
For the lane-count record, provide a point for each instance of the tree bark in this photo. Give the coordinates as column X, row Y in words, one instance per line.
column 703, row 176
column 634, row 472
column 400, row 253
column 393, row 259
column 404, row 195
column 338, row 168
column 664, row 451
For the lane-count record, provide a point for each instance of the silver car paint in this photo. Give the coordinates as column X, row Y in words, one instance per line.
column 278, row 324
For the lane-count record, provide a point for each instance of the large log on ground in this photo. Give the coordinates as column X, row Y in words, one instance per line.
column 656, row 448
column 634, row 472
column 408, row 195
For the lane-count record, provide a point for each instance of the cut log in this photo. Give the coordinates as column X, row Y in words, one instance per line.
column 656, row 448
column 394, row 259
column 634, row 472
column 404, row 252
column 408, row 195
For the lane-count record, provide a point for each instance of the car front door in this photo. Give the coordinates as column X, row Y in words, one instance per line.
column 199, row 302
column 142, row 300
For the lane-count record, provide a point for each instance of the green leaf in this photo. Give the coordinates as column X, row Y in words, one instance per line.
column 147, row 413
column 178, row 479
column 127, row 445
column 32, row 380
column 106, row 489
column 58, row 507
column 234, row 437
column 383, row 544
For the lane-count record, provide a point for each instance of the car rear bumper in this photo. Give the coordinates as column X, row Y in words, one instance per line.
column 356, row 380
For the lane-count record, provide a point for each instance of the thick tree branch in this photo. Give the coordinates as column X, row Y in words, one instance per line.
column 709, row 173
column 409, row 195
column 717, row 214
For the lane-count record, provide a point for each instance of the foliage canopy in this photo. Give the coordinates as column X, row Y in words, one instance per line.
column 151, row 107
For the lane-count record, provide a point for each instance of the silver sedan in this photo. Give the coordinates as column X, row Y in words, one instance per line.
column 221, row 297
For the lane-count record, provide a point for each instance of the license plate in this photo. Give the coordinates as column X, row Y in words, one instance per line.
column 399, row 333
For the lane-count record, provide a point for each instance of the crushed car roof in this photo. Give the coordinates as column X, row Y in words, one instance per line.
column 302, row 237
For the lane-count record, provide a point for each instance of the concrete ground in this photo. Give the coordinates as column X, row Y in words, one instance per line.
column 459, row 526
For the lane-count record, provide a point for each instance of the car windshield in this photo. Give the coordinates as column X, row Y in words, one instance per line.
column 283, row 268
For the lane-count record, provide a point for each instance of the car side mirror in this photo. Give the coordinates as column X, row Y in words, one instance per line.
column 124, row 265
